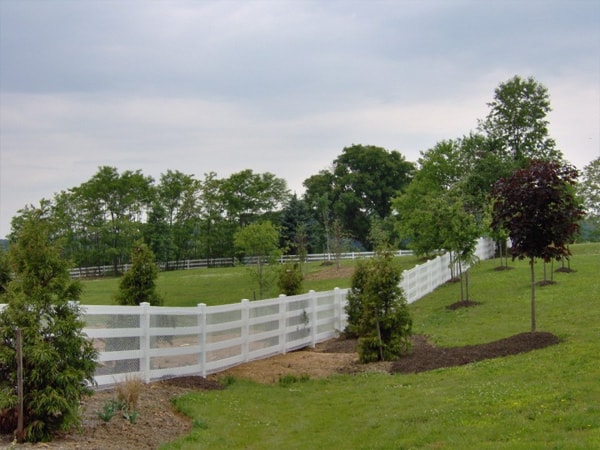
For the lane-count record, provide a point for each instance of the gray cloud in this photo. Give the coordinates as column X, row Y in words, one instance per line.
column 272, row 86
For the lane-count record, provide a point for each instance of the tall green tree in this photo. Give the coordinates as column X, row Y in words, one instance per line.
column 115, row 205
column 481, row 165
column 248, row 196
column 158, row 233
column 538, row 207
column 216, row 232
column 297, row 227
column 360, row 186
column 58, row 359
column 419, row 209
column 177, row 195
column 260, row 241
column 517, row 121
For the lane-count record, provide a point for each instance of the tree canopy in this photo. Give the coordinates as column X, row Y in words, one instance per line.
column 360, row 186
column 517, row 121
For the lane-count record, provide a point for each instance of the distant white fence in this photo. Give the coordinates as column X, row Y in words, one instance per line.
column 187, row 264
column 162, row 342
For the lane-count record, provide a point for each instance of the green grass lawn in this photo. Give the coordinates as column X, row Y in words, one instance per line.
column 215, row 286
column 546, row 399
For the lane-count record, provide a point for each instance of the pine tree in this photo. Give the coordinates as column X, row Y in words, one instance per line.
column 139, row 283
column 58, row 359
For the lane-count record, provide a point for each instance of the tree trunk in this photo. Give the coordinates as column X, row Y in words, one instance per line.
column 379, row 337
column 462, row 293
column 20, row 434
column 531, row 262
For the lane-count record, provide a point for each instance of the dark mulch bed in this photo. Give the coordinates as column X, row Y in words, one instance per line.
column 462, row 304
column 425, row 356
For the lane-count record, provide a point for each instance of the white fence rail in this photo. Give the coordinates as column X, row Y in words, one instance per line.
column 161, row 342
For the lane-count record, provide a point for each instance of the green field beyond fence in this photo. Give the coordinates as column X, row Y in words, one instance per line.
column 219, row 286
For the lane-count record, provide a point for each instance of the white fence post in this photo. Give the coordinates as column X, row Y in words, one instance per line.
column 338, row 310
column 145, row 341
column 282, row 323
column 312, row 299
column 245, row 328
column 202, row 337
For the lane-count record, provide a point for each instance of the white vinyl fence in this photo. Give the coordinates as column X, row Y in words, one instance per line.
column 158, row 342
column 423, row 279
column 162, row 342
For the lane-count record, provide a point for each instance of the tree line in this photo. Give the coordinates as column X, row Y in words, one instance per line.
column 369, row 195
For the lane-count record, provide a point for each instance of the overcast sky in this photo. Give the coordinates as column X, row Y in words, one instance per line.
column 273, row 86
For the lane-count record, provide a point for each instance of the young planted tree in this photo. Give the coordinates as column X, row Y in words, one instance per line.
column 139, row 282
column 290, row 279
column 377, row 310
column 261, row 242
column 538, row 208
column 58, row 359
column 460, row 232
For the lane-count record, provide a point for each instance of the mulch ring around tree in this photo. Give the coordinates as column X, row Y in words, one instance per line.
column 462, row 304
column 425, row 356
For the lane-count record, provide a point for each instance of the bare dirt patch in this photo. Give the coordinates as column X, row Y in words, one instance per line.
column 331, row 272
column 159, row 423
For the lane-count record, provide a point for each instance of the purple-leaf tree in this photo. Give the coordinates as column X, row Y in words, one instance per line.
column 538, row 207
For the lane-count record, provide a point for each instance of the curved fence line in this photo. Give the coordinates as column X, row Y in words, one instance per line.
column 153, row 342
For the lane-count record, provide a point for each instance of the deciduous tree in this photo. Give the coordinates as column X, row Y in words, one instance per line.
column 360, row 186
column 260, row 241
column 517, row 121
column 538, row 207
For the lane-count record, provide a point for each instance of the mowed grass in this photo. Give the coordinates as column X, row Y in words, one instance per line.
column 218, row 286
column 546, row 399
